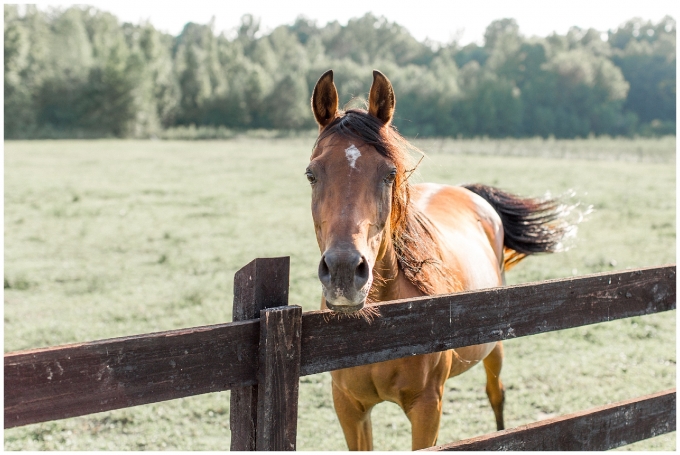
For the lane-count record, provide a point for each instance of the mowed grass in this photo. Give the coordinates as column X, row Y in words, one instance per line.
column 114, row 238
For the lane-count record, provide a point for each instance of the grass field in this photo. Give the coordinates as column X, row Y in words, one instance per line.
column 111, row 238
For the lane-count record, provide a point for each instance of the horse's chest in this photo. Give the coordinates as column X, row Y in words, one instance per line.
column 394, row 380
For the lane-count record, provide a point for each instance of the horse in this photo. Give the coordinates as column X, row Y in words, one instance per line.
column 382, row 238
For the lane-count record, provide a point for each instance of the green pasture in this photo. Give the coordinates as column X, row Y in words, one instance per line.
column 111, row 238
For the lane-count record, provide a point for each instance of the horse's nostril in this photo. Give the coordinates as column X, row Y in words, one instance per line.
column 324, row 272
column 361, row 273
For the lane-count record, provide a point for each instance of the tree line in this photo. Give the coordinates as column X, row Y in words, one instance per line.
column 80, row 72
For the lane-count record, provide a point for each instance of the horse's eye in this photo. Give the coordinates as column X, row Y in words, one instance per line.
column 310, row 176
column 391, row 176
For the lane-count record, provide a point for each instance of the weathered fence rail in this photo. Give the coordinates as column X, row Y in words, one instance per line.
column 67, row 381
column 430, row 324
column 261, row 356
column 603, row 428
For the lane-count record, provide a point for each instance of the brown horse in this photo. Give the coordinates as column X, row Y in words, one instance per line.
column 382, row 238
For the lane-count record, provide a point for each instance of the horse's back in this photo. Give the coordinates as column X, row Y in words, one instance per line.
column 470, row 233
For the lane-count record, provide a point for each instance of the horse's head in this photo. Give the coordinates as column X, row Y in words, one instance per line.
column 354, row 175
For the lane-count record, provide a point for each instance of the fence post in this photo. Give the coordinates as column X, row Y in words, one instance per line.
column 263, row 283
column 278, row 378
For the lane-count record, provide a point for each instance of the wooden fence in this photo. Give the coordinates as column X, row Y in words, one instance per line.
column 262, row 354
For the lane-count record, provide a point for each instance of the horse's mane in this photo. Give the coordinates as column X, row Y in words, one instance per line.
column 418, row 254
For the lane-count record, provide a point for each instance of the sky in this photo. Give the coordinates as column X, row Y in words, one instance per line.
column 439, row 21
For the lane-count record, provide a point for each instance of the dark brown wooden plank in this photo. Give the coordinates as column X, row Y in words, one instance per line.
column 78, row 379
column 431, row 324
column 262, row 283
column 601, row 428
column 278, row 378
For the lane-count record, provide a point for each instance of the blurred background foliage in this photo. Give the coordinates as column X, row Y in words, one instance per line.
column 81, row 73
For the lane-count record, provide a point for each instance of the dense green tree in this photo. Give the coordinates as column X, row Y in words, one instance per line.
column 199, row 72
column 60, row 101
column 469, row 53
column 156, row 49
column 646, row 54
column 287, row 106
column 18, row 103
column 426, row 96
column 370, row 38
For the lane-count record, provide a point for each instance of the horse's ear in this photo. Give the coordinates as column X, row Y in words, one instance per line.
column 325, row 99
column 381, row 99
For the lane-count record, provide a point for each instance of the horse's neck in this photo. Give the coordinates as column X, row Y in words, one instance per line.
column 389, row 282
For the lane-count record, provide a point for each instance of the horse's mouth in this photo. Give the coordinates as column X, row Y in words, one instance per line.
column 343, row 305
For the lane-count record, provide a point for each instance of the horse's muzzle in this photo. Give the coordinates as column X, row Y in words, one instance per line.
column 346, row 279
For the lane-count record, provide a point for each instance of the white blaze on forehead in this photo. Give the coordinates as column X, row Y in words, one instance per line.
column 352, row 153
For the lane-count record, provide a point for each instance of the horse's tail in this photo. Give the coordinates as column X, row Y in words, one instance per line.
column 530, row 225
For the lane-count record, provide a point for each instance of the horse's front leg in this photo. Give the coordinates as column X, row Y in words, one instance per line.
column 355, row 420
column 425, row 415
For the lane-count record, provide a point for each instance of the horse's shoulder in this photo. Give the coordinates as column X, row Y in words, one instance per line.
column 457, row 209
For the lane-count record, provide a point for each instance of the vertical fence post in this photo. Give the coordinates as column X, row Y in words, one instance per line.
column 261, row 284
column 278, row 378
